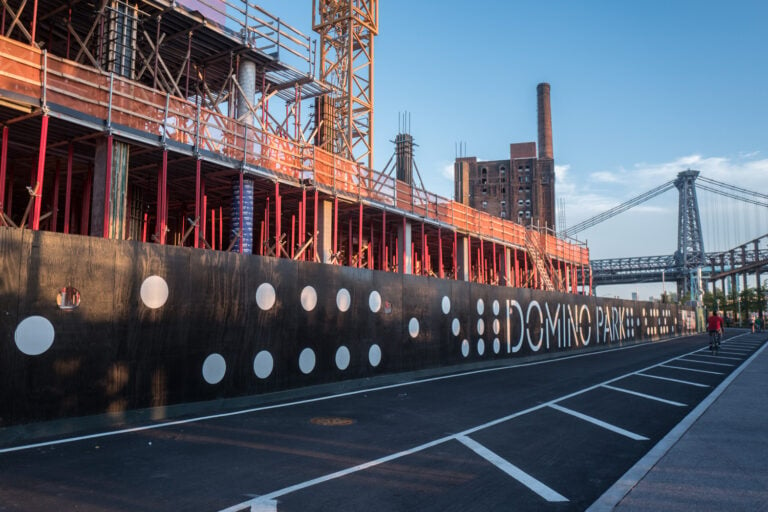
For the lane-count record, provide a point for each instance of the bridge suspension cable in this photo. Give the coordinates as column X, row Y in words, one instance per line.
column 581, row 226
column 732, row 191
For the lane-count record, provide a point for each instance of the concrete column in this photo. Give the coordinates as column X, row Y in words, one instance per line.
column 404, row 253
column 246, row 77
column 118, row 190
column 463, row 258
column 506, row 278
column 325, row 230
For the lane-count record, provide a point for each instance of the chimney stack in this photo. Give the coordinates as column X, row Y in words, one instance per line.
column 545, row 121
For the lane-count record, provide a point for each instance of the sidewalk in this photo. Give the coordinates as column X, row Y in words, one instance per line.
column 716, row 459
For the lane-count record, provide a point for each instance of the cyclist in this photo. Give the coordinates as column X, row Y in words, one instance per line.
column 715, row 328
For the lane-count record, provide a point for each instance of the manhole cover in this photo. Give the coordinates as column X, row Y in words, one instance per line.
column 331, row 421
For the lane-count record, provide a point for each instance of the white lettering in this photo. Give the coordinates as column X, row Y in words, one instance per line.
column 536, row 347
column 584, row 341
column 551, row 325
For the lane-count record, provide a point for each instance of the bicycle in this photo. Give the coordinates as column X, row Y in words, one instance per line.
column 714, row 341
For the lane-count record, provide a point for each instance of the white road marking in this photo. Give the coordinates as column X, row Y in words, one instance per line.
column 690, row 369
column 706, row 362
column 518, row 474
column 600, row 423
column 610, row 498
column 689, row 383
column 643, row 395
column 719, row 357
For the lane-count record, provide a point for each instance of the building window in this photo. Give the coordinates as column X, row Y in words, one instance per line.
column 519, row 202
column 485, row 205
column 503, row 214
column 520, row 214
column 527, row 169
column 528, row 214
column 527, row 202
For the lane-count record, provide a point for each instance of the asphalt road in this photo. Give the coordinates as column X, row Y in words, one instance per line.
column 549, row 435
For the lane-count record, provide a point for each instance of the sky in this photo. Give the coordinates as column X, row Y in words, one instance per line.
column 639, row 92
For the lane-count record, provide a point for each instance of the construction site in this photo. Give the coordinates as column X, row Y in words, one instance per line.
column 168, row 123
column 189, row 214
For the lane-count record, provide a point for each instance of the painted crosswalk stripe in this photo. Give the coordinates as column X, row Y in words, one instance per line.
column 643, row 395
column 600, row 423
column 512, row 470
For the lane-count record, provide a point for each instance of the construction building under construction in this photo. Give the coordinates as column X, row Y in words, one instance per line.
column 216, row 126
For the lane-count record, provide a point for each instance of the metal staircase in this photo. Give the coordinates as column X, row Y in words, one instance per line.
column 536, row 254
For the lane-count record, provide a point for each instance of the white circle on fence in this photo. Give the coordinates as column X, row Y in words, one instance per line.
column 496, row 326
column 374, row 301
column 154, row 292
column 496, row 345
column 465, row 348
column 34, row 335
column 413, row 327
column 343, row 300
column 342, row 358
column 265, row 296
column 446, row 305
column 496, row 307
column 214, row 368
column 374, row 355
column 455, row 326
column 480, row 306
column 307, row 361
column 263, row 364
column 308, row 298
column 480, row 326
column 480, row 346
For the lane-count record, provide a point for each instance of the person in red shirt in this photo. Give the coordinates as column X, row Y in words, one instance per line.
column 715, row 326
column 715, row 323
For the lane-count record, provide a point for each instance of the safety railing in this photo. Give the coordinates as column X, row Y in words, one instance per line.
column 123, row 103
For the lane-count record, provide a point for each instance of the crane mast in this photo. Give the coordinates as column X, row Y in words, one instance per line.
column 344, row 117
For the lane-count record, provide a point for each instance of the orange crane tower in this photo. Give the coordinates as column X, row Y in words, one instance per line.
column 345, row 116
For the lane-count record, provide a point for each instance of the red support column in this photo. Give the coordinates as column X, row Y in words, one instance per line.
column 517, row 271
column 482, row 262
column 108, row 188
column 495, row 274
column 424, row 269
column 278, row 223
column 221, row 228
column 144, row 228
column 525, row 263
column 55, row 207
column 359, row 237
column 293, row 234
column 86, row 206
column 455, row 255
column 198, row 217
column 405, row 249
column 68, row 191
column 314, row 227
column 40, row 170
column 3, row 164
column 384, row 259
column 349, row 243
column 440, row 268
column 303, row 222
column 335, row 225
column 242, row 221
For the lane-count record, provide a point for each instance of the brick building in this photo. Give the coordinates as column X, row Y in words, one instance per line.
column 520, row 188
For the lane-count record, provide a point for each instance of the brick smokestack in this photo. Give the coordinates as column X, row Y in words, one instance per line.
column 545, row 121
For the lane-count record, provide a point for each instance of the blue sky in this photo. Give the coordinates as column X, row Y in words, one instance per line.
column 640, row 91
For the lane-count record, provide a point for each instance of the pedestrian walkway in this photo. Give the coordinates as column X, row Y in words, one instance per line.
column 716, row 459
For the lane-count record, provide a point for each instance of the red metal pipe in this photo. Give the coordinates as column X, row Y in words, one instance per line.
column 360, row 238
column 335, row 224
column 314, row 227
column 293, row 233
column 440, row 270
column 3, row 160
column 384, row 261
column 68, row 191
column 40, row 167
column 278, row 213
column 144, row 228
column 213, row 228
column 34, row 25
column 55, row 207
column 198, row 217
column 242, row 221
column 455, row 255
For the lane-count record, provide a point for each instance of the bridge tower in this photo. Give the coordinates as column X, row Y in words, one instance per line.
column 345, row 116
column 690, row 253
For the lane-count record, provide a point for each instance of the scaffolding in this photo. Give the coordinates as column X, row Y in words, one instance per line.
column 159, row 84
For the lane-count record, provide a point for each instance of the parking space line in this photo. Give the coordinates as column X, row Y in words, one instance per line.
column 643, row 395
column 719, row 357
column 518, row 474
column 690, row 369
column 686, row 382
column 599, row 423
column 706, row 362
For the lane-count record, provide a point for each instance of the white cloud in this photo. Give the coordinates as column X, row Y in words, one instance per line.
column 605, row 177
